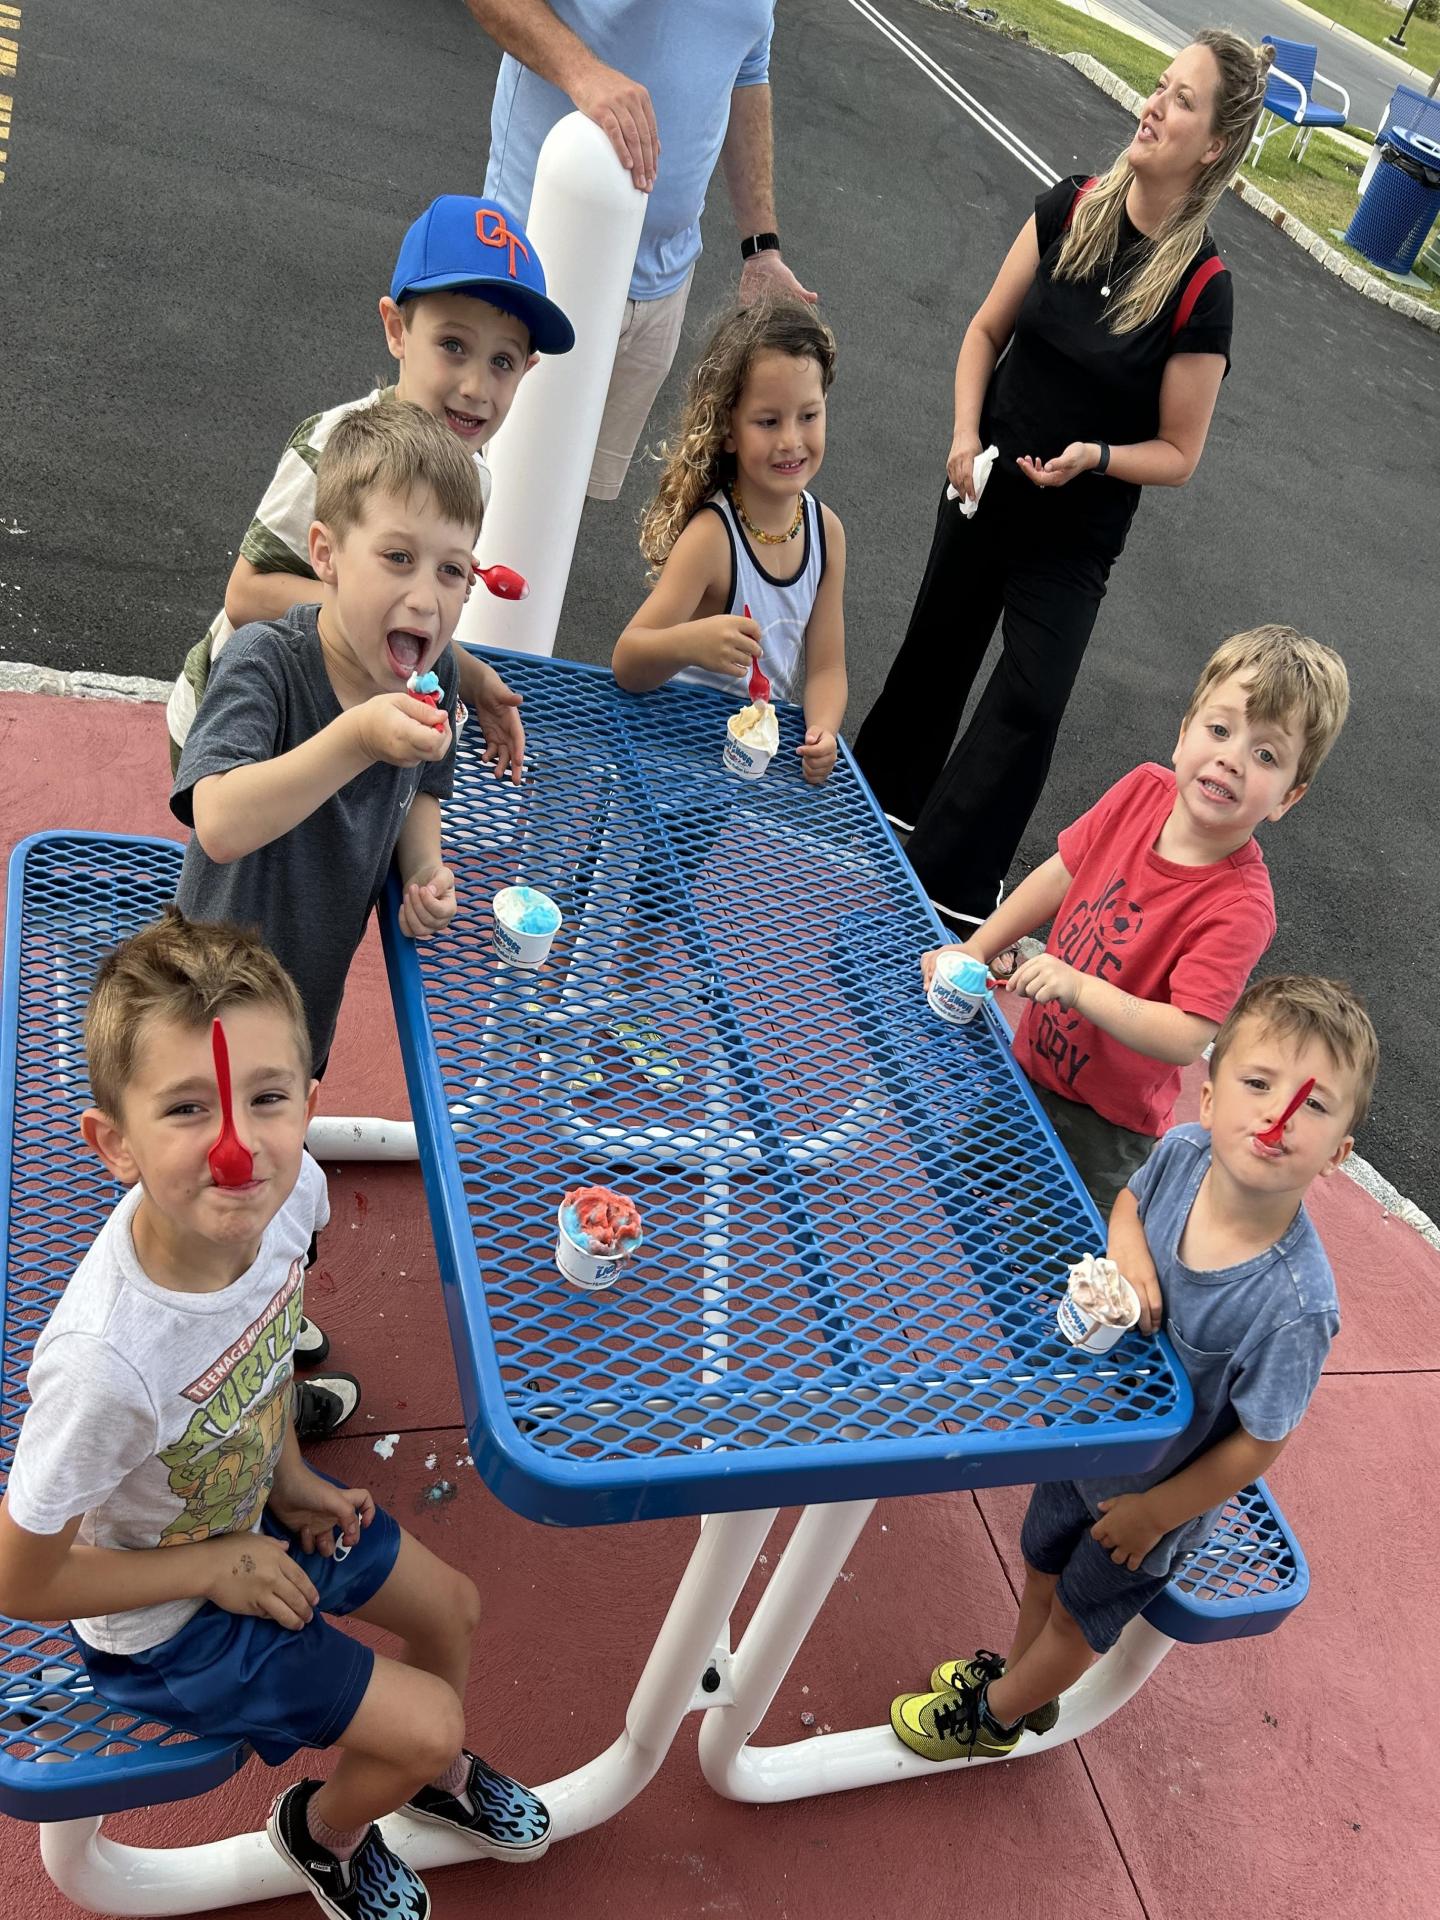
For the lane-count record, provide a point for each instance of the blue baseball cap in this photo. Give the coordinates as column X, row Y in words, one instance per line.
column 476, row 247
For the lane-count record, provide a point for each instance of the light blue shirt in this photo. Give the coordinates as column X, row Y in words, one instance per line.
column 1252, row 1338
column 689, row 55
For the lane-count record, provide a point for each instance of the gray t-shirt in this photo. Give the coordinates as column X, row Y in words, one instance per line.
column 1252, row 1338
column 309, row 892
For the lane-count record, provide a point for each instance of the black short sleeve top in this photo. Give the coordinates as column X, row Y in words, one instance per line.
column 1065, row 376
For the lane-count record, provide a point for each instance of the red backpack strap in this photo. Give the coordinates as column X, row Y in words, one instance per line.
column 1199, row 280
column 1080, row 193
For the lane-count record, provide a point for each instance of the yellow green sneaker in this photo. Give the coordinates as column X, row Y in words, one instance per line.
column 952, row 1675
column 950, row 1726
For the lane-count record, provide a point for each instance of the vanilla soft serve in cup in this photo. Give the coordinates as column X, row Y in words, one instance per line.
column 752, row 739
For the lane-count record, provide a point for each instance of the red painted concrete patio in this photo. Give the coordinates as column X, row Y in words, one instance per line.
column 1291, row 1775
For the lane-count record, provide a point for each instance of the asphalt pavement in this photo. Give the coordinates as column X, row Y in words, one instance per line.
column 202, row 207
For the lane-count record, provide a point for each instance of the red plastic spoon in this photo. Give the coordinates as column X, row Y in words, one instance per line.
column 231, row 1163
column 759, row 685
column 1272, row 1135
column 504, row 582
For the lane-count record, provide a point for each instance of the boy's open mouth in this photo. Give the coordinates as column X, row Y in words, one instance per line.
column 463, row 422
column 406, row 651
column 1217, row 790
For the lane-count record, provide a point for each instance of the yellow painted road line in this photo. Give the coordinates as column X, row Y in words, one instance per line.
column 9, row 58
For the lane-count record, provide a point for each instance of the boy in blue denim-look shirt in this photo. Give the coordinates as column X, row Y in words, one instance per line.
column 1213, row 1234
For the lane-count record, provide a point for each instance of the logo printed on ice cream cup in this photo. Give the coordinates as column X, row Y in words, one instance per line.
column 581, row 1267
column 741, row 759
column 957, row 989
column 513, row 945
column 1084, row 1330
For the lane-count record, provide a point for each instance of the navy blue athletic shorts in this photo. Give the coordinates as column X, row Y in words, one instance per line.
column 1099, row 1596
column 244, row 1677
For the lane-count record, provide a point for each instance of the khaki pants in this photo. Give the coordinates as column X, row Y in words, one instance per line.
column 649, row 336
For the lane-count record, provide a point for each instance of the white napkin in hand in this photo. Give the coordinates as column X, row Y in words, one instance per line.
column 980, row 473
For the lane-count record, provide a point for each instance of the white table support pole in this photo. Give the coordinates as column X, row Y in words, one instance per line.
column 105, row 1876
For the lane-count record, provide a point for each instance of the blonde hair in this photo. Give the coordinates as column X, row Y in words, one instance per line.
column 697, row 463
column 1093, row 236
column 1302, row 1007
column 1288, row 677
column 396, row 448
column 186, row 972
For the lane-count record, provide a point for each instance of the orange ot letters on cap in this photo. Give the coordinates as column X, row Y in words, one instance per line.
column 492, row 231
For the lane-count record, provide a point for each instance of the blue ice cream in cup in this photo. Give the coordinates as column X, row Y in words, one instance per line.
column 526, row 921
column 958, row 989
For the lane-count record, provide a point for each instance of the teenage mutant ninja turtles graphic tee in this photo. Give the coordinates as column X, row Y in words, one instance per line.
column 158, row 1415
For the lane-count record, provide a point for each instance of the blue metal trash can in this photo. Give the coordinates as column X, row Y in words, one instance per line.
column 1400, row 203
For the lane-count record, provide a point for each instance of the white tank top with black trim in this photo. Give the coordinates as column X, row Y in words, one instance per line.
column 782, row 607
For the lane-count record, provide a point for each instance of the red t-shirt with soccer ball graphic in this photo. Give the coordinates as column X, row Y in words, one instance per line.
column 1187, row 937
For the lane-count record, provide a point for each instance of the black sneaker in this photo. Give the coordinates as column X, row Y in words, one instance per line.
column 373, row 1884
column 323, row 1405
column 312, row 1347
column 504, row 1819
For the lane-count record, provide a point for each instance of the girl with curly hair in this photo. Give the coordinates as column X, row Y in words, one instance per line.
column 746, row 562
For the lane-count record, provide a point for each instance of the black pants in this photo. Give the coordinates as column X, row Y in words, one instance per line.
column 1022, row 562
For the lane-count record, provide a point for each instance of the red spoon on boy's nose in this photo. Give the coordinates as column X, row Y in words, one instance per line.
column 1273, row 1135
column 759, row 685
column 504, row 582
column 231, row 1163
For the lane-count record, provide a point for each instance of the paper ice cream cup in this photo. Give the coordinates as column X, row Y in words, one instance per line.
column 514, row 947
column 581, row 1267
column 1082, row 1329
column 745, row 761
column 957, row 990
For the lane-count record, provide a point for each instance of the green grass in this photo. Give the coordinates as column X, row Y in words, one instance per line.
column 1373, row 20
column 1320, row 191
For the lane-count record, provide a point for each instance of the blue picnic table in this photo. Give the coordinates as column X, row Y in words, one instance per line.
column 857, row 1224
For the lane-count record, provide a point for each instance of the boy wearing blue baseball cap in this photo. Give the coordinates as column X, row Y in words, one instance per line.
column 466, row 315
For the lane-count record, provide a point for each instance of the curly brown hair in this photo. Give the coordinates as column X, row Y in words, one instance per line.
column 696, row 462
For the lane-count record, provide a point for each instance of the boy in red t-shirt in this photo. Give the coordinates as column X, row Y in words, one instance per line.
column 1161, row 903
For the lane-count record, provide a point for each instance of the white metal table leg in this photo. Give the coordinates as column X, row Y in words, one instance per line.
column 866, row 1756
column 108, row 1877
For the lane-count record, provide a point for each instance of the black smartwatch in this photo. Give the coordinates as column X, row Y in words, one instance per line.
column 759, row 243
column 1104, row 461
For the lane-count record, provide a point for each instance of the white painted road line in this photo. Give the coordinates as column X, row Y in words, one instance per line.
column 952, row 89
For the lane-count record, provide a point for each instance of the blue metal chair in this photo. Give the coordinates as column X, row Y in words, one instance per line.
column 1289, row 97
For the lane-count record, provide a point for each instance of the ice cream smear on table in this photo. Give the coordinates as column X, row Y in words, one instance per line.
column 1098, row 1288
column 757, row 726
column 527, row 910
column 601, row 1221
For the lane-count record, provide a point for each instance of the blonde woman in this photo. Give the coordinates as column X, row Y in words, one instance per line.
column 747, row 563
column 1112, row 312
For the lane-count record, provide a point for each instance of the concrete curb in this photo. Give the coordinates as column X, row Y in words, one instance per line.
column 20, row 676
column 1319, row 248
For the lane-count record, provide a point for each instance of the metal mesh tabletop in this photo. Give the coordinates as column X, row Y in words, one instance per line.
column 856, row 1218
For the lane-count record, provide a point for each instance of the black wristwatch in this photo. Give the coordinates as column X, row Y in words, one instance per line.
column 1104, row 461
column 759, row 243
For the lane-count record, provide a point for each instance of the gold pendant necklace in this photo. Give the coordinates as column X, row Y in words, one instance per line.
column 759, row 533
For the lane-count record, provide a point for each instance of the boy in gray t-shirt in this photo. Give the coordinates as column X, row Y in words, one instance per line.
column 1213, row 1235
column 310, row 765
